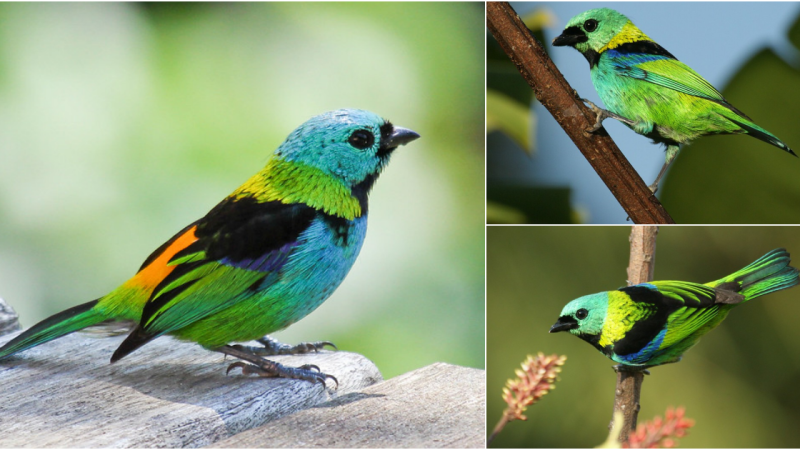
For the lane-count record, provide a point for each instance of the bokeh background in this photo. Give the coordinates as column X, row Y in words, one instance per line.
column 748, row 50
column 121, row 122
column 738, row 383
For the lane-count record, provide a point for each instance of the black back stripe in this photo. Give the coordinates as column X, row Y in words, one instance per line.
column 246, row 228
column 646, row 47
column 645, row 330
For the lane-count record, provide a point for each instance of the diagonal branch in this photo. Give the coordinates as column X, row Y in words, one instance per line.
column 553, row 91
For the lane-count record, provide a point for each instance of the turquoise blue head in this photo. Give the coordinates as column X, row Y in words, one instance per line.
column 583, row 316
column 590, row 31
column 352, row 145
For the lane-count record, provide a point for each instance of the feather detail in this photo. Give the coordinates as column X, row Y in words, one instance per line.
column 629, row 33
column 292, row 182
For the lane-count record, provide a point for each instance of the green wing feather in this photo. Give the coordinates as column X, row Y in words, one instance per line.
column 675, row 75
column 240, row 244
column 205, row 290
column 699, row 309
column 693, row 295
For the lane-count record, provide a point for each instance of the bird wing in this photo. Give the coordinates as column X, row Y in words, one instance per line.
column 665, row 71
column 698, row 306
column 238, row 247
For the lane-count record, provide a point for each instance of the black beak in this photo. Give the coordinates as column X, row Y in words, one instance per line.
column 570, row 36
column 564, row 323
column 400, row 136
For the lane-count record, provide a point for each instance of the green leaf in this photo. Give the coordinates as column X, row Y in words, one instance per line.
column 497, row 213
column 538, row 204
column 510, row 117
column 794, row 33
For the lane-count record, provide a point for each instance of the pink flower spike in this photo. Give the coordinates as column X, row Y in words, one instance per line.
column 661, row 434
column 534, row 380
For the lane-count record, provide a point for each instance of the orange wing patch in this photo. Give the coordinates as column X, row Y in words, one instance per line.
column 149, row 276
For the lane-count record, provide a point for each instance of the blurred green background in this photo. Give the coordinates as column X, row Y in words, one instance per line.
column 120, row 123
column 738, row 383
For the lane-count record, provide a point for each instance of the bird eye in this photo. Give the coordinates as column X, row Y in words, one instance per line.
column 361, row 139
column 590, row 25
column 581, row 314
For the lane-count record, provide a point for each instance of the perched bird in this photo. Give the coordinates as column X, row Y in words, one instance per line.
column 259, row 261
column 655, row 323
column 648, row 89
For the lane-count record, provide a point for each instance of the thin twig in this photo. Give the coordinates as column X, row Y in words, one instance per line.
column 629, row 382
column 553, row 91
column 498, row 428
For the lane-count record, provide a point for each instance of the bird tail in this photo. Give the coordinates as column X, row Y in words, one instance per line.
column 760, row 133
column 65, row 322
column 767, row 274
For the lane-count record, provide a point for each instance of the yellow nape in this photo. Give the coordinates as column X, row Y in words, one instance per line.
column 293, row 182
column 628, row 34
column 622, row 314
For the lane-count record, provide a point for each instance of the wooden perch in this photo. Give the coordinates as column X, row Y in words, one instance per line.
column 437, row 406
column 555, row 94
column 65, row 393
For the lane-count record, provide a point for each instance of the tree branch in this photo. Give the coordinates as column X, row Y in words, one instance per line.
column 629, row 382
column 553, row 91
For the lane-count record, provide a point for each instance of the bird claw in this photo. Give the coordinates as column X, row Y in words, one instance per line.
column 601, row 115
column 269, row 369
column 273, row 347
column 271, row 344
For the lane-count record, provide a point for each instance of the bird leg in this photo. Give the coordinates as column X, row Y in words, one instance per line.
column 672, row 153
column 602, row 114
column 273, row 347
column 270, row 369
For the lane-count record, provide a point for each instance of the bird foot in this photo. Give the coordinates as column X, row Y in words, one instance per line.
column 601, row 115
column 274, row 347
column 270, row 369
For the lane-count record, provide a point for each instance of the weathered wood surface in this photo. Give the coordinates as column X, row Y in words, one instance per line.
column 167, row 394
column 171, row 394
column 437, row 406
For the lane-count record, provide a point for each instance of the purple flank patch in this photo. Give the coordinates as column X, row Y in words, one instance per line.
column 269, row 262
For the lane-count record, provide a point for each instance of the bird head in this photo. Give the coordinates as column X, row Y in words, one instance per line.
column 583, row 316
column 596, row 30
column 350, row 145
column 329, row 163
